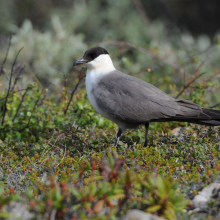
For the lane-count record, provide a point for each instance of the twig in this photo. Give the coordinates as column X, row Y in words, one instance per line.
column 206, row 80
column 13, row 65
column 142, row 71
column 189, row 83
column 22, row 99
column 216, row 105
column 16, row 79
column 9, row 87
column 20, row 90
column 6, row 55
column 81, row 76
column 194, row 73
column 198, row 68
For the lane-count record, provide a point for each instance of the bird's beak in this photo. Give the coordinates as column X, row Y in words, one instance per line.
column 79, row 62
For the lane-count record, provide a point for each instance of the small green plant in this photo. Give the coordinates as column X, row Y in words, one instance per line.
column 103, row 190
column 162, row 196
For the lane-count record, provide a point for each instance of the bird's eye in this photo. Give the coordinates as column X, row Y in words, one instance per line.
column 94, row 55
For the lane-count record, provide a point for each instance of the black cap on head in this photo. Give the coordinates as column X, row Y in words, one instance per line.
column 90, row 55
column 93, row 53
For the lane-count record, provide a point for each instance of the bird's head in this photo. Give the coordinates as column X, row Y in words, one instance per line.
column 95, row 58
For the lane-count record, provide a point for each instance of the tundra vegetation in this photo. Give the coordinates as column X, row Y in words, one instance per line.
column 57, row 154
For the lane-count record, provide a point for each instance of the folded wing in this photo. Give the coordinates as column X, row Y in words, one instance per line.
column 132, row 100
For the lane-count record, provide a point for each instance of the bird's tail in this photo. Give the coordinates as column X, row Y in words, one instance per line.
column 213, row 115
column 193, row 113
column 208, row 117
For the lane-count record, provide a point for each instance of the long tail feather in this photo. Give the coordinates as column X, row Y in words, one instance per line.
column 208, row 117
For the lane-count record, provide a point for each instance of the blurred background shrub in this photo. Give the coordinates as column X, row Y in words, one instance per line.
column 167, row 42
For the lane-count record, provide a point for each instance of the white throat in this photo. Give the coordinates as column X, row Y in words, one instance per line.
column 103, row 63
column 100, row 66
column 97, row 68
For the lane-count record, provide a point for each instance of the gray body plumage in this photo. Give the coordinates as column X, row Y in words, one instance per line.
column 129, row 102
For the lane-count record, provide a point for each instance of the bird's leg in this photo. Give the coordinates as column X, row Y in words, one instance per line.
column 118, row 136
column 146, row 134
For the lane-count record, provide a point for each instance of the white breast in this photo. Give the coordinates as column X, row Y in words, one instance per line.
column 91, row 81
column 97, row 68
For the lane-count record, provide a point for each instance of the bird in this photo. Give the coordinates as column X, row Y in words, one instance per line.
column 130, row 102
